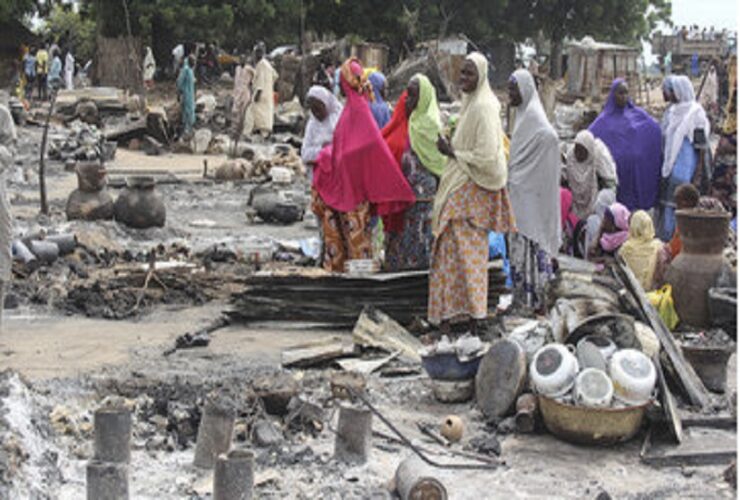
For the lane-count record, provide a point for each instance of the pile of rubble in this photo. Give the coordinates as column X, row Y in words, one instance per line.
column 80, row 142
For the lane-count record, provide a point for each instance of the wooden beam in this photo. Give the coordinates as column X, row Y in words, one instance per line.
column 687, row 379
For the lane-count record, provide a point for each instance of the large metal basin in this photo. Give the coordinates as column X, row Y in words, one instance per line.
column 591, row 426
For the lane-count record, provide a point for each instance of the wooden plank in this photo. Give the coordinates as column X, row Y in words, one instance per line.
column 374, row 328
column 365, row 366
column 700, row 446
column 687, row 378
column 668, row 402
column 313, row 354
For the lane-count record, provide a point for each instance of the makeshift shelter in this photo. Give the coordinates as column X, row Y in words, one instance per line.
column 592, row 66
column 372, row 55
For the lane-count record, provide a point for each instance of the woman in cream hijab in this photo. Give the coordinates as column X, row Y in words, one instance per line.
column 471, row 201
column 534, row 179
column 642, row 250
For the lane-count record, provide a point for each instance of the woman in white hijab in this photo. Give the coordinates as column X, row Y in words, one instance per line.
column 471, row 201
column 325, row 111
column 534, row 179
column 589, row 166
column 681, row 157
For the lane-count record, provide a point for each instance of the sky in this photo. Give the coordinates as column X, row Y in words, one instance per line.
column 706, row 13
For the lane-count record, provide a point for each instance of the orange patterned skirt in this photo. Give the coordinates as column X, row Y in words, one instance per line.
column 458, row 279
column 346, row 235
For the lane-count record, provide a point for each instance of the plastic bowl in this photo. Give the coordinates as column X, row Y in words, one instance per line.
column 446, row 366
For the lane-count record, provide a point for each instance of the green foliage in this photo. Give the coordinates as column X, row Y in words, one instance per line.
column 619, row 21
column 15, row 9
column 398, row 23
column 64, row 26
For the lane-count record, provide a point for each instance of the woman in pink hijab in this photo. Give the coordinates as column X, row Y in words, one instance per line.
column 355, row 177
column 614, row 230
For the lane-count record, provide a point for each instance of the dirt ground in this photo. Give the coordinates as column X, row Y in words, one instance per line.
column 77, row 354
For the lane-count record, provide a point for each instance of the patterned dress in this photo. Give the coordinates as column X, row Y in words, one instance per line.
column 346, row 235
column 458, row 280
column 531, row 269
column 411, row 248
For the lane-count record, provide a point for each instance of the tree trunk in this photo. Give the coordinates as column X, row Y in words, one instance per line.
column 556, row 57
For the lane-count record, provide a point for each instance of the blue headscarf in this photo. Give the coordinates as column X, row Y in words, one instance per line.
column 634, row 140
column 381, row 111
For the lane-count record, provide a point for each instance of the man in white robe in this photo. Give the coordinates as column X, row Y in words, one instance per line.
column 261, row 111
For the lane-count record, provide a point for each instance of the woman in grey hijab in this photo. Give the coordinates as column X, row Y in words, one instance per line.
column 534, row 180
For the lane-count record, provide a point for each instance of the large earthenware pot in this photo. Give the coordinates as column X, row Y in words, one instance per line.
column 697, row 267
column 139, row 206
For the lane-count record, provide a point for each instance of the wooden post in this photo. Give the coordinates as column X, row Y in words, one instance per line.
column 107, row 480
column 354, row 434
column 113, row 435
column 214, row 435
column 233, row 478
column 42, row 160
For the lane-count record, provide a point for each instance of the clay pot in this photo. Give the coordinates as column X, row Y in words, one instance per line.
column 697, row 267
column 89, row 206
column 90, row 176
column 452, row 428
column 139, row 206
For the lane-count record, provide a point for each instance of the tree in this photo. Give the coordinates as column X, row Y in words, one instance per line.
column 619, row 21
column 65, row 26
column 13, row 10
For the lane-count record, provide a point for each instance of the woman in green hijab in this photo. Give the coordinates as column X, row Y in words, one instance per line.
column 412, row 136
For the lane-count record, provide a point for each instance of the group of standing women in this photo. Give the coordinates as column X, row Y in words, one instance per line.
column 625, row 165
column 439, row 198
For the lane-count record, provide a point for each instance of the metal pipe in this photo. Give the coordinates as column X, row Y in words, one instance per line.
column 22, row 253
column 46, row 251
column 66, row 242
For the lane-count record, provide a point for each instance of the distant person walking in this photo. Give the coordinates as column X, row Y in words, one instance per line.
column 29, row 72
column 42, row 72
column 150, row 68
column 242, row 97
column 69, row 70
column 186, row 92
column 262, row 108
column 55, row 71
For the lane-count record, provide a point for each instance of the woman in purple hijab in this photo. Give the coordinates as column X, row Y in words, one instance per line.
column 381, row 111
column 634, row 140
